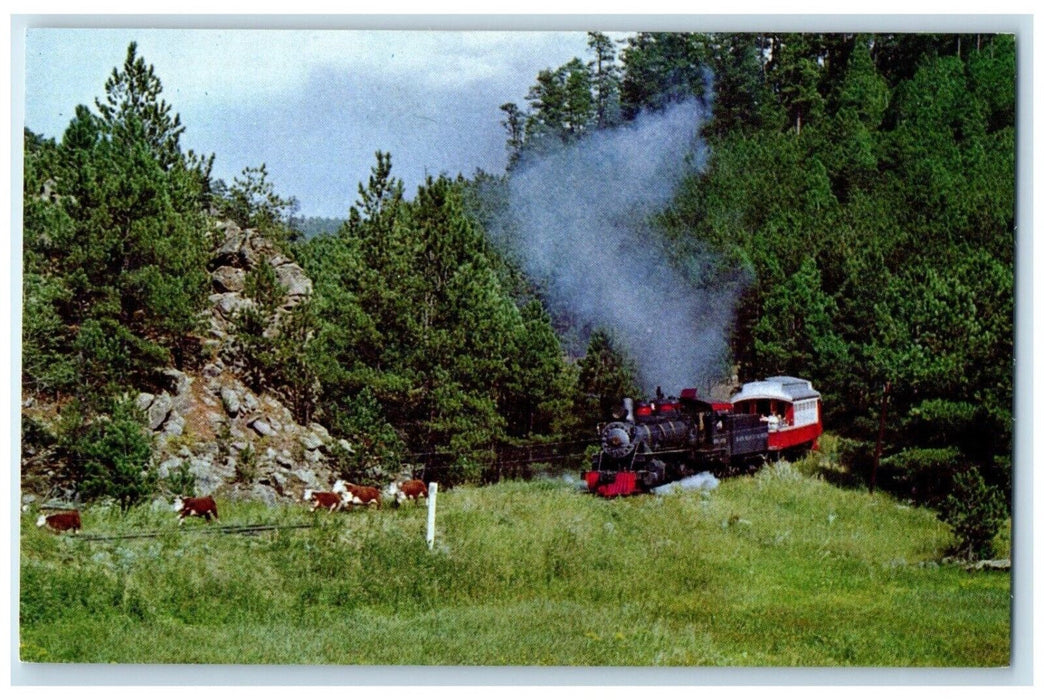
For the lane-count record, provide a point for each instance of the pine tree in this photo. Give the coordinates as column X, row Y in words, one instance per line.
column 252, row 202
column 606, row 377
column 561, row 106
column 135, row 113
column 663, row 67
column 515, row 124
column 605, row 80
column 115, row 452
column 742, row 100
column 115, row 260
column 123, row 231
column 412, row 313
column 795, row 71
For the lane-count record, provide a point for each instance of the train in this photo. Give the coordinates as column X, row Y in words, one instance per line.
column 654, row 442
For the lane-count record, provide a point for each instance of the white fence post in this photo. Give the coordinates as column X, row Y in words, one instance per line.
column 433, row 491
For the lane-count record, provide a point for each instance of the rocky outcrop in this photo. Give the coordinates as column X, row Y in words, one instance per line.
column 239, row 252
column 208, row 425
column 233, row 440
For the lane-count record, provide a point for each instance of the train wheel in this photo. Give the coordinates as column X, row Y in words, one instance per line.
column 657, row 474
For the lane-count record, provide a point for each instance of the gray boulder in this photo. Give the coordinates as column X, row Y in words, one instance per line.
column 177, row 381
column 207, row 479
column 228, row 303
column 310, row 441
column 175, row 425
column 308, row 477
column 263, row 493
column 166, row 466
column 230, row 400
column 228, row 279
column 262, row 427
column 230, row 251
column 319, row 430
column 294, row 279
column 144, row 400
column 159, row 410
column 250, row 402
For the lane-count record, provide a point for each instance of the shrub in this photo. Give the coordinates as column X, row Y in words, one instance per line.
column 114, row 452
column 246, row 465
column 376, row 446
column 855, row 463
column 251, row 201
column 975, row 511
column 925, row 474
column 181, row 480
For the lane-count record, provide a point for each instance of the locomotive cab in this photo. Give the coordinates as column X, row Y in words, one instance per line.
column 709, row 422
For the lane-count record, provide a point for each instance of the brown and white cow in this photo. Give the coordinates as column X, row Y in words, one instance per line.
column 202, row 507
column 356, row 495
column 327, row 500
column 411, row 489
column 60, row 522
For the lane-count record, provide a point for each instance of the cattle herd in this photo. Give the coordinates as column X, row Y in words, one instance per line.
column 346, row 494
column 342, row 496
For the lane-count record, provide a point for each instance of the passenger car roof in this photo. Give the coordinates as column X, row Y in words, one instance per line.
column 789, row 389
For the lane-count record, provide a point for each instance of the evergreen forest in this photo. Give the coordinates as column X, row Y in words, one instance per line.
column 862, row 187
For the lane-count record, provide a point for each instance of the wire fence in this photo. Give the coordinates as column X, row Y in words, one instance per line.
column 511, row 461
column 218, row 530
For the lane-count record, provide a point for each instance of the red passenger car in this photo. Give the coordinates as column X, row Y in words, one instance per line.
column 789, row 406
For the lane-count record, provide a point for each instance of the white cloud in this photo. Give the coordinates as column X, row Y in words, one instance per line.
column 312, row 104
column 66, row 67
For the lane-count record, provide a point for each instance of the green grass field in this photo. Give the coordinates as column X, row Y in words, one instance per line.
column 777, row 569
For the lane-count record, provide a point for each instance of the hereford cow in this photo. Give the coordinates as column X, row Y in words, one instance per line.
column 355, row 495
column 327, row 500
column 411, row 489
column 60, row 522
column 202, row 507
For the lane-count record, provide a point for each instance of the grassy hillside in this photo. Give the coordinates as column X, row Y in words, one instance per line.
column 775, row 569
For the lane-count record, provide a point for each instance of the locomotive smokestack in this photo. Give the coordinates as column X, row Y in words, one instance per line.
column 628, row 404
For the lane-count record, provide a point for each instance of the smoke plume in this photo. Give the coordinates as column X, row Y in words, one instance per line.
column 581, row 224
column 704, row 481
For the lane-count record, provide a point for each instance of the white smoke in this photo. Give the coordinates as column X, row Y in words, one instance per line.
column 704, row 481
column 580, row 223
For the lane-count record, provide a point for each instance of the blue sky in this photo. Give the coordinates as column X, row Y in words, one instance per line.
column 313, row 106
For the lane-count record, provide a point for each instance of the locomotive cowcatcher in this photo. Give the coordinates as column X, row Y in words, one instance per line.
column 655, row 442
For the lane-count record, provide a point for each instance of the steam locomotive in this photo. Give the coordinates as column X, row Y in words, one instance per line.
column 655, row 442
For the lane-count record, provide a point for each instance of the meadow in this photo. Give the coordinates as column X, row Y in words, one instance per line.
column 776, row 569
